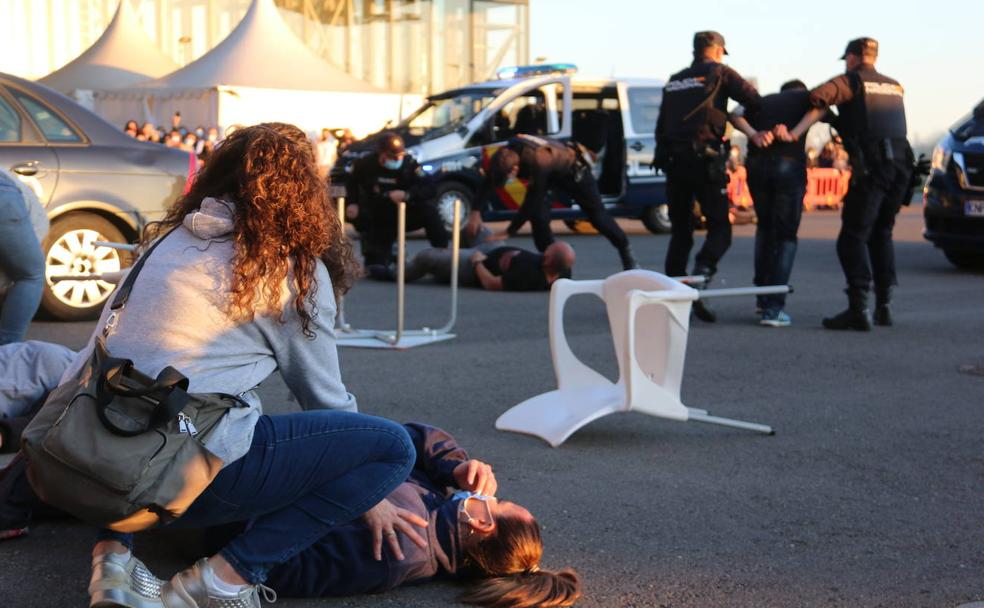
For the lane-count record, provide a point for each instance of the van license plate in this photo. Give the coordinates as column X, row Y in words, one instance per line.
column 974, row 208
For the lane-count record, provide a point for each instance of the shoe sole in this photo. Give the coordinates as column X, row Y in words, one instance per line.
column 775, row 323
column 117, row 598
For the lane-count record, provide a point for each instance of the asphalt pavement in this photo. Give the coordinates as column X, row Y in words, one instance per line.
column 870, row 493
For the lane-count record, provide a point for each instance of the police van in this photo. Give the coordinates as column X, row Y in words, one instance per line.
column 454, row 133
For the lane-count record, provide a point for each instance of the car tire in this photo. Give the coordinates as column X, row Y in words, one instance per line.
column 966, row 260
column 580, row 226
column 447, row 193
column 68, row 250
column 656, row 219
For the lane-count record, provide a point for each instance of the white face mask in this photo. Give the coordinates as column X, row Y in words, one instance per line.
column 393, row 165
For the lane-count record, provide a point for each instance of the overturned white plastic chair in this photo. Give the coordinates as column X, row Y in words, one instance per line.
column 649, row 317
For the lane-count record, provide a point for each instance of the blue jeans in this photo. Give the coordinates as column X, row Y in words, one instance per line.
column 304, row 474
column 777, row 185
column 22, row 261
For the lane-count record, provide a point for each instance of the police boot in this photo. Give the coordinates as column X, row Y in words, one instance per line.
column 701, row 309
column 883, row 313
column 628, row 260
column 856, row 316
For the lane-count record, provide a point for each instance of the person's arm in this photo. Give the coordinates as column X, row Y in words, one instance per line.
column 761, row 139
column 741, row 90
column 310, row 366
column 488, row 280
column 837, row 90
column 438, row 453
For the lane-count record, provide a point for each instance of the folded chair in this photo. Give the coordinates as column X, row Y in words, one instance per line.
column 648, row 314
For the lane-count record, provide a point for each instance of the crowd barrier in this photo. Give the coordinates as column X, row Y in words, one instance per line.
column 825, row 188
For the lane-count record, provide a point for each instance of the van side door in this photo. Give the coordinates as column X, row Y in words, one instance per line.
column 640, row 109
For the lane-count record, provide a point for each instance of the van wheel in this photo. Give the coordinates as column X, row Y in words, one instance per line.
column 69, row 251
column 449, row 192
column 656, row 219
column 580, row 226
column 967, row 260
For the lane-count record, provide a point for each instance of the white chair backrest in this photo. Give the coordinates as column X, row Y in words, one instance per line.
column 571, row 372
column 652, row 355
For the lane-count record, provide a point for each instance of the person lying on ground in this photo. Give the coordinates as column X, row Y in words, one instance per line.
column 495, row 545
column 495, row 267
column 28, row 372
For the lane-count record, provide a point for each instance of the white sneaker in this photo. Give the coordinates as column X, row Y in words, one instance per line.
column 189, row 589
column 120, row 580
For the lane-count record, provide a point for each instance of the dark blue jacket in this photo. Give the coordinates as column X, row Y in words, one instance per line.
column 341, row 562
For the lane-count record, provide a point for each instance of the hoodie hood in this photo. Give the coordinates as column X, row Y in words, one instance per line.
column 213, row 219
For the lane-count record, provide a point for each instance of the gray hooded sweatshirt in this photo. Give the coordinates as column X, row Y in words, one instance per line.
column 177, row 315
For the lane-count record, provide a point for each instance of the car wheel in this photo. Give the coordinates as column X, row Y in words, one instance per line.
column 580, row 226
column 656, row 219
column 447, row 194
column 968, row 260
column 70, row 251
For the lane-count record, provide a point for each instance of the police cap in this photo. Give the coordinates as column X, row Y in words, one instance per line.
column 390, row 143
column 861, row 46
column 702, row 40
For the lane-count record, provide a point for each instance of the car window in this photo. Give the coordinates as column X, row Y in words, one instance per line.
column 644, row 105
column 10, row 123
column 53, row 128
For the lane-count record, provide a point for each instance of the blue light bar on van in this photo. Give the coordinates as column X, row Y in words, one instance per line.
column 542, row 69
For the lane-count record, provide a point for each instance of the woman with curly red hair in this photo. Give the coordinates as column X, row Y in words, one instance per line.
column 242, row 283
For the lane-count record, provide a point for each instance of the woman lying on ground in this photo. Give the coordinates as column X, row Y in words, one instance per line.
column 241, row 286
column 493, row 544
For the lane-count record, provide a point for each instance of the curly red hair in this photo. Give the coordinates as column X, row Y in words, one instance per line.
column 284, row 220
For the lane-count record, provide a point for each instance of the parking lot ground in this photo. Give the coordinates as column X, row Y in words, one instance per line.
column 870, row 494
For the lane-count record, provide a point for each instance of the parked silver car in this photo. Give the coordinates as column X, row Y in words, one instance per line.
column 96, row 183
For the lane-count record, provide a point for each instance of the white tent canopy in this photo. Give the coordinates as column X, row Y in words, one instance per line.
column 122, row 57
column 260, row 72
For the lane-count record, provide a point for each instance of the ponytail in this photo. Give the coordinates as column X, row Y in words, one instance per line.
column 534, row 589
column 509, row 561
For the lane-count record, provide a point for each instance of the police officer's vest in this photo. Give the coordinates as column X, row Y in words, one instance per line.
column 690, row 102
column 876, row 111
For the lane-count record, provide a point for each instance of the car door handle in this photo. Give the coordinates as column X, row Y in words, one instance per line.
column 26, row 169
column 637, row 146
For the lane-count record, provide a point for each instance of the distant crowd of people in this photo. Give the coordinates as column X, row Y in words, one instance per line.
column 200, row 141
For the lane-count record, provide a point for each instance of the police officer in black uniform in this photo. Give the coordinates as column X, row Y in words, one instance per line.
column 377, row 183
column 871, row 121
column 691, row 150
column 548, row 164
column 777, row 182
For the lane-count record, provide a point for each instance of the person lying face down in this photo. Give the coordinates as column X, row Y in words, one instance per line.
column 495, row 545
column 499, row 268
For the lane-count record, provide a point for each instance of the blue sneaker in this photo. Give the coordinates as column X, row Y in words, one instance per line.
column 775, row 318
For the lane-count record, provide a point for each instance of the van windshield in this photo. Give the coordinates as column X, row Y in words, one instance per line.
column 971, row 125
column 442, row 115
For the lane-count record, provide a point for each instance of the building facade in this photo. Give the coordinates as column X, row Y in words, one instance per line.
column 408, row 46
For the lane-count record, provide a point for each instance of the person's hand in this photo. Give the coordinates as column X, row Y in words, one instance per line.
column 498, row 235
column 477, row 257
column 384, row 520
column 476, row 476
column 397, row 196
column 351, row 211
column 762, row 139
column 782, row 133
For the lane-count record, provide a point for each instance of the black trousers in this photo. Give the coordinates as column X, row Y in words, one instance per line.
column 690, row 177
column 582, row 187
column 382, row 225
column 864, row 245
